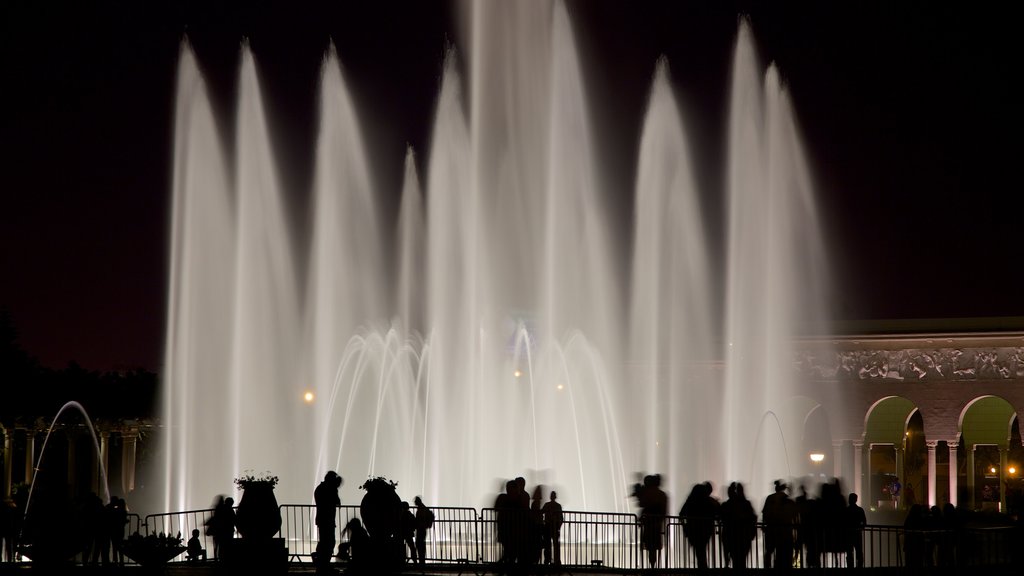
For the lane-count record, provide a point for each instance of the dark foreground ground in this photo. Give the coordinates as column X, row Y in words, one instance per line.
column 212, row 569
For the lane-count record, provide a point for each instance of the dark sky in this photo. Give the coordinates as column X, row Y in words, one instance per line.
column 908, row 110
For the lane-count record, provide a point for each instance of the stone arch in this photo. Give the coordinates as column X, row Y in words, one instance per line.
column 986, row 420
column 985, row 426
column 885, row 430
column 817, row 438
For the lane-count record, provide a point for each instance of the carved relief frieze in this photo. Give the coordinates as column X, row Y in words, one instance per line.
column 913, row 364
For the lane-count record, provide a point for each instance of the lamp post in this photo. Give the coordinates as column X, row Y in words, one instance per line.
column 817, row 458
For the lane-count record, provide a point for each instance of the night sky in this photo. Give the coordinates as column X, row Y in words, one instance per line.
column 908, row 109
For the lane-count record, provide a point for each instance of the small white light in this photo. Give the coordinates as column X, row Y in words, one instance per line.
column 1012, row 469
column 308, row 397
column 817, row 457
column 560, row 386
column 517, row 373
column 992, row 469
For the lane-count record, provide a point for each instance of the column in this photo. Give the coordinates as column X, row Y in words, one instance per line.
column 858, row 471
column 971, row 472
column 128, row 460
column 1003, row 463
column 104, row 458
column 899, row 473
column 952, row 472
column 837, row 459
column 932, row 497
column 8, row 461
column 30, row 455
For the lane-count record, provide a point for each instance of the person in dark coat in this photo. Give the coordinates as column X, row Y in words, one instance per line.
column 739, row 525
column 327, row 503
column 856, row 520
column 698, row 515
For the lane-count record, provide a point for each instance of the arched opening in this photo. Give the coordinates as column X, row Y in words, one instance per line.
column 986, row 427
column 885, row 437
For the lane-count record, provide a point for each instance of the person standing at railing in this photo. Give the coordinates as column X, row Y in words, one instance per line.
column 327, row 503
column 552, row 512
column 424, row 522
column 856, row 520
column 653, row 503
column 779, row 516
column 407, row 529
column 698, row 515
column 221, row 524
column 115, row 519
column 739, row 525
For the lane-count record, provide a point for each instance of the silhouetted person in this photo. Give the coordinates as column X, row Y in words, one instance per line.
column 698, row 515
column 407, row 529
column 327, row 503
column 221, row 525
column 778, row 514
column 950, row 540
column 909, row 498
column 115, row 518
column 424, row 522
column 856, row 520
column 534, row 529
column 552, row 512
column 832, row 518
column 809, row 528
column 194, row 550
column 914, row 538
column 653, row 509
column 357, row 550
column 504, row 510
column 739, row 525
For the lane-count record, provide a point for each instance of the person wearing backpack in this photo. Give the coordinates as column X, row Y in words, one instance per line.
column 424, row 521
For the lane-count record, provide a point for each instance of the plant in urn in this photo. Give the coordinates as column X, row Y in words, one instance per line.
column 258, row 516
column 380, row 510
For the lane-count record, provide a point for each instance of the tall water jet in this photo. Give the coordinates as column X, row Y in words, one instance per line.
column 266, row 408
column 347, row 287
column 496, row 340
column 671, row 328
column 200, row 314
column 774, row 281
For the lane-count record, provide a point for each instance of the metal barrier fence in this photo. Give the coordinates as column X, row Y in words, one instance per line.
column 171, row 523
column 617, row 541
column 298, row 528
column 455, row 536
column 609, row 540
column 600, row 539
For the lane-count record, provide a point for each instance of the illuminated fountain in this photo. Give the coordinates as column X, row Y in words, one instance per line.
column 50, row 509
column 508, row 333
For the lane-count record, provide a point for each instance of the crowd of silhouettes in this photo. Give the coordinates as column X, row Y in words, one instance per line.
column 803, row 530
column 796, row 531
column 527, row 528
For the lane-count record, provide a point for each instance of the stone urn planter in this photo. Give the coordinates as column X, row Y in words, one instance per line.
column 258, row 516
column 380, row 511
